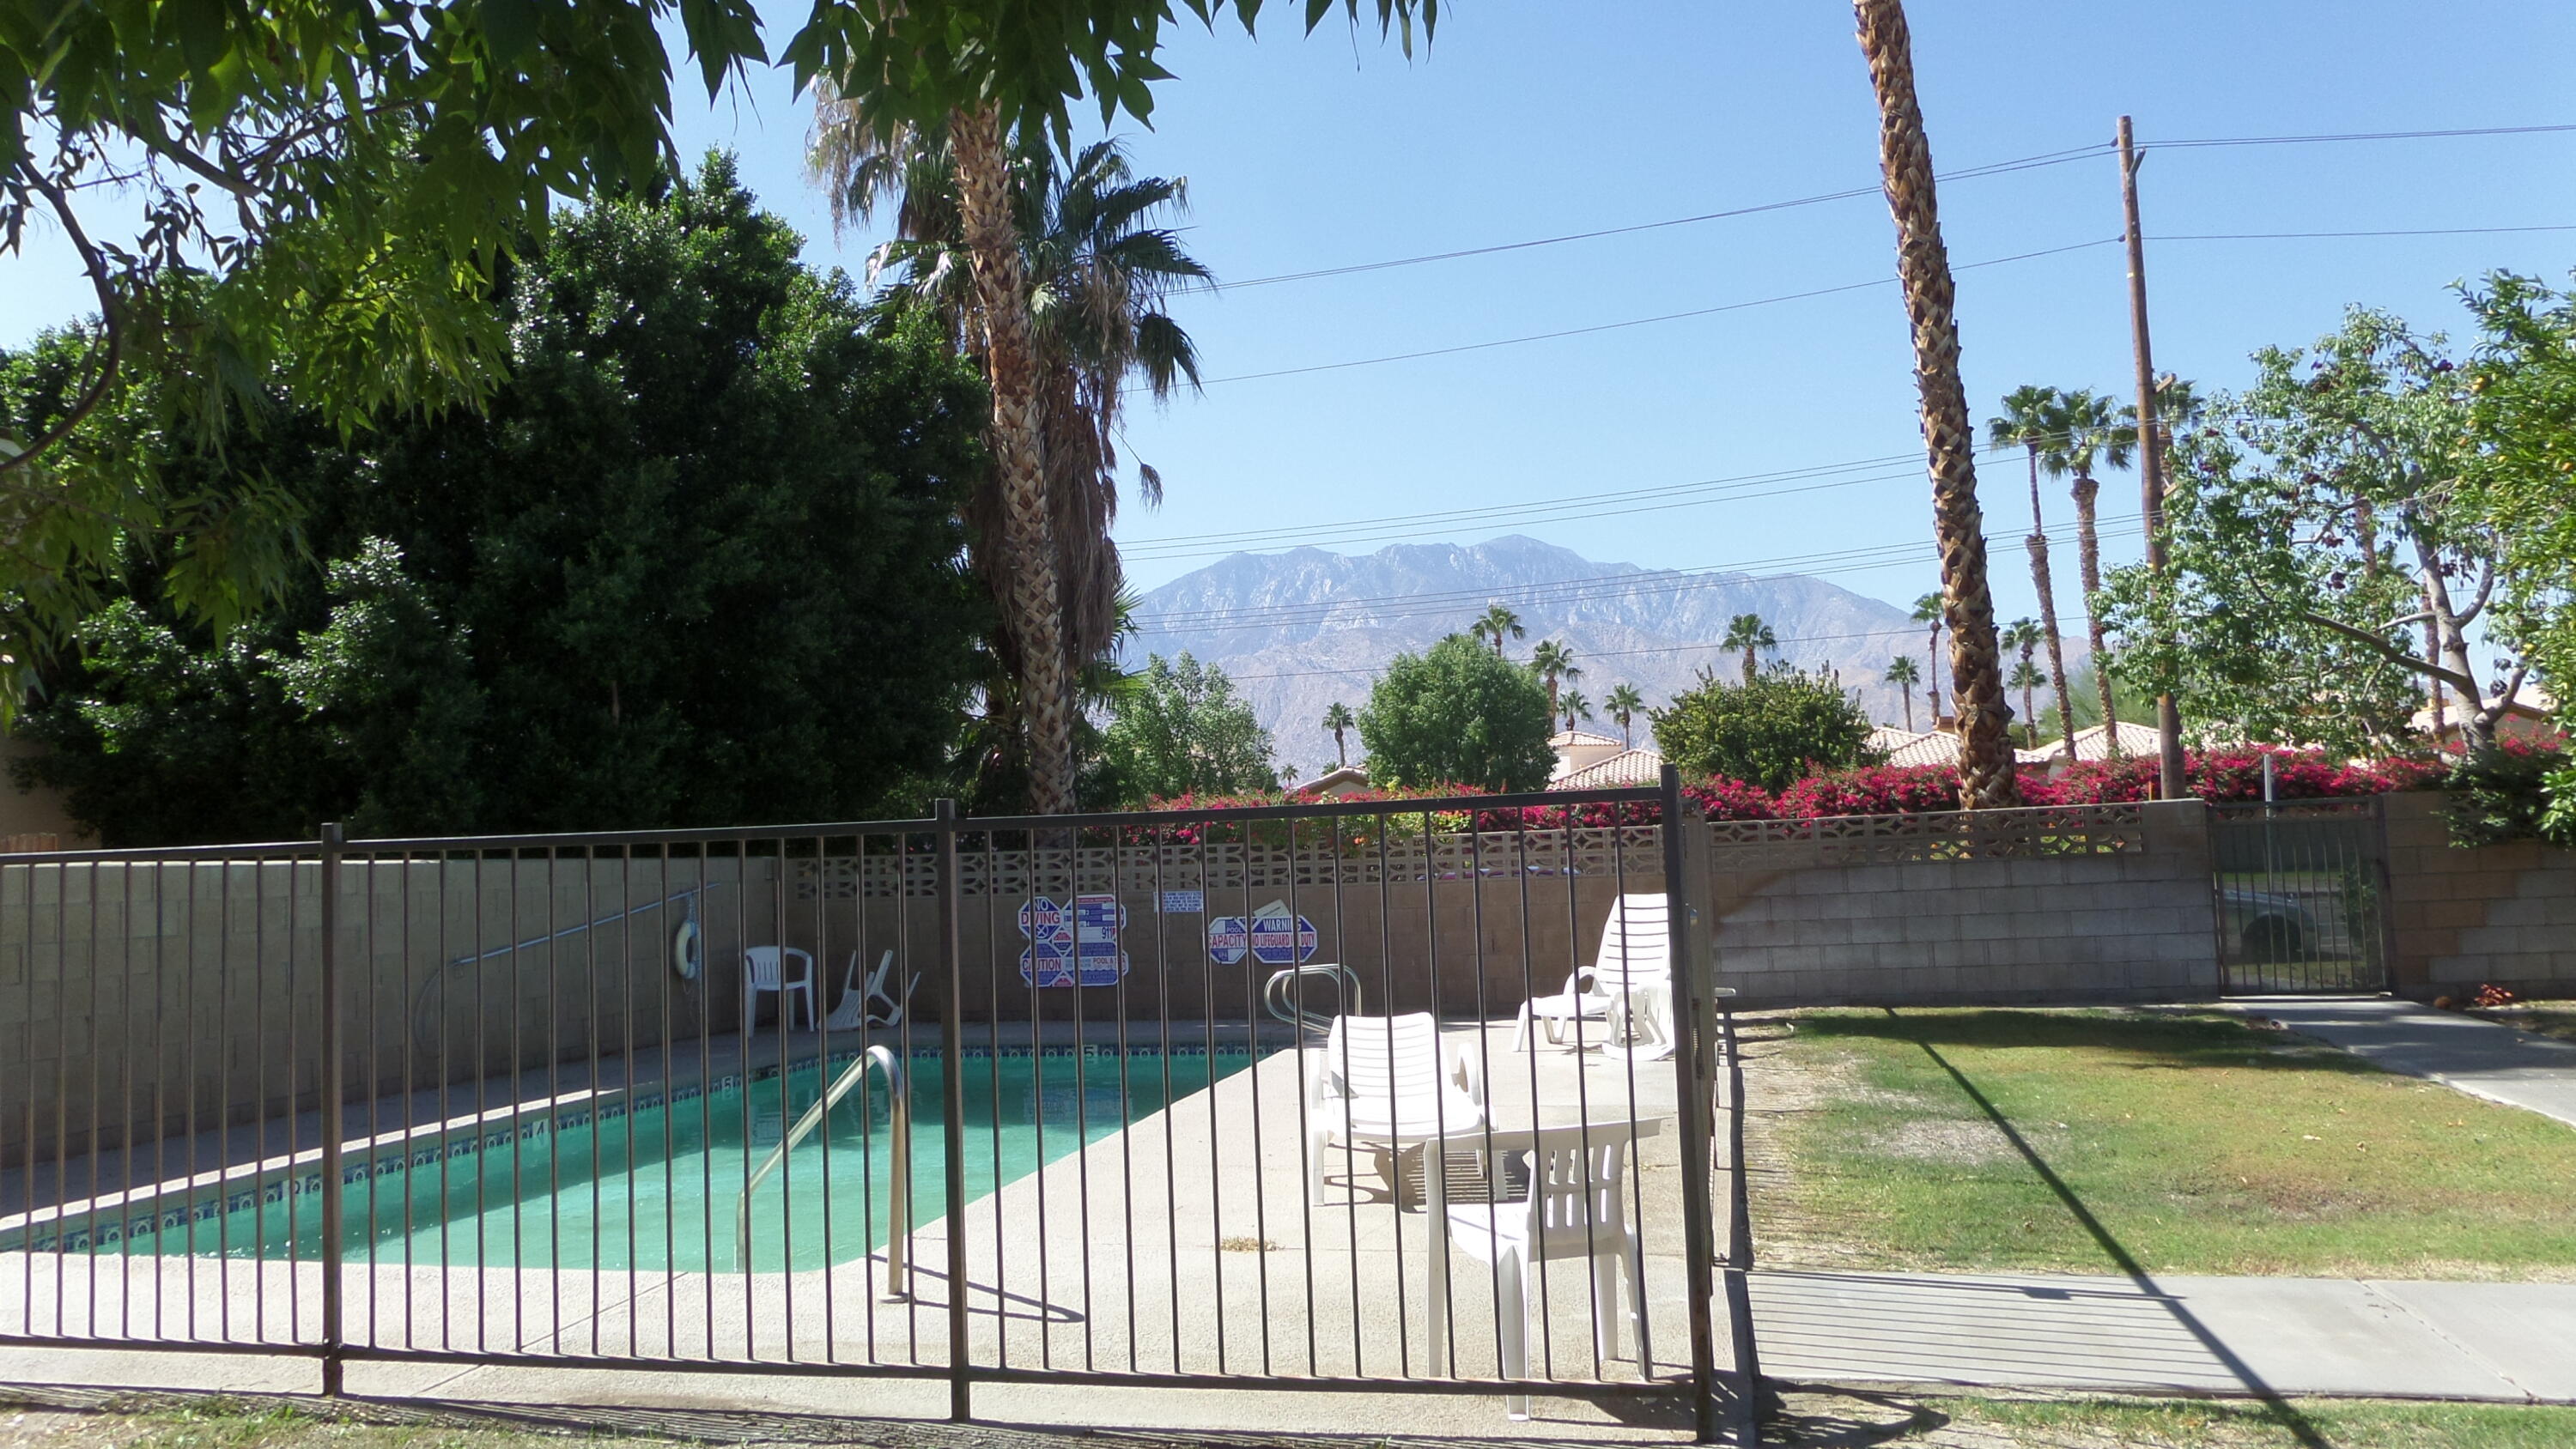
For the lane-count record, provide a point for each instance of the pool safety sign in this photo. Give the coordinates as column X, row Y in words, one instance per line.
column 1074, row 943
column 1273, row 937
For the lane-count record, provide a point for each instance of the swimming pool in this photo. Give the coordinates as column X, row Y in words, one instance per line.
column 653, row 1183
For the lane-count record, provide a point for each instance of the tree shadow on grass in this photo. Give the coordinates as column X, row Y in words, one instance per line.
column 2161, row 1041
column 1996, row 1028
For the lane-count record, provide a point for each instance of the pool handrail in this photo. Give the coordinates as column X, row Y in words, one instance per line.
column 1274, row 994
column 899, row 1179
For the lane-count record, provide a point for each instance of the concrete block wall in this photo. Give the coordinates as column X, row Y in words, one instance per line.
column 2133, row 924
column 2460, row 918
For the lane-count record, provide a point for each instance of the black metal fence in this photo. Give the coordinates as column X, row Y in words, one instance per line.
column 2302, row 896
column 1411, row 1095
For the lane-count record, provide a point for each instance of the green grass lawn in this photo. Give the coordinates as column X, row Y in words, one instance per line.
column 2206, row 1424
column 2098, row 1141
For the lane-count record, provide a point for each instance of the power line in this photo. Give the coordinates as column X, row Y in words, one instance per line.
column 1887, row 281
column 1907, row 630
column 2337, row 136
column 2315, row 235
column 2052, row 158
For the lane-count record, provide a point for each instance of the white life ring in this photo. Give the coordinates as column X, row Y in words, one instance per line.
column 684, row 951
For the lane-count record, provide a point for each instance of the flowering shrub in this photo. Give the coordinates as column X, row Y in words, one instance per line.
column 1872, row 790
column 2218, row 775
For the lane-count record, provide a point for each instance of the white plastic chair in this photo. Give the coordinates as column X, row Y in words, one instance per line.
column 869, row 1005
column 1576, row 1207
column 1387, row 1080
column 762, row 972
column 1628, row 988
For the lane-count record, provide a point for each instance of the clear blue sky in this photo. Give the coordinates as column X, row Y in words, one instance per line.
column 1532, row 119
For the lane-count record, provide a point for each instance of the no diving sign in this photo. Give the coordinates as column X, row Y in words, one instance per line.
column 1272, row 937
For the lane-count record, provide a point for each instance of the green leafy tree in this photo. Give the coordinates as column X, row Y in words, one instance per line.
column 1183, row 730
column 1902, row 673
column 2310, row 533
column 1785, row 725
column 1748, row 633
column 1458, row 714
column 2024, row 636
column 2027, row 423
column 2522, row 411
column 1623, row 704
column 1339, row 719
column 636, row 592
column 1553, row 662
column 1496, row 624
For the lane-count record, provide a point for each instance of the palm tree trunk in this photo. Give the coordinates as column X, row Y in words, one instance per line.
column 2088, row 555
column 2039, row 579
column 1932, row 672
column 1923, row 267
column 1748, row 666
column 1909, row 708
column 1035, row 609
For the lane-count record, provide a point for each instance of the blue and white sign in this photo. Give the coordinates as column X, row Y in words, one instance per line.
column 1185, row 903
column 1075, row 943
column 1272, row 937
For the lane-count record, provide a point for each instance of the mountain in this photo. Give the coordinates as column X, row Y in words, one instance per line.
column 1300, row 630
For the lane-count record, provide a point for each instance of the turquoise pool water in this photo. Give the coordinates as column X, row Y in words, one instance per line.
column 656, row 1185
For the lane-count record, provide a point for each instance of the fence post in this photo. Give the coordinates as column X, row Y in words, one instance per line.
column 332, row 1248
column 952, row 1087
column 1691, row 1065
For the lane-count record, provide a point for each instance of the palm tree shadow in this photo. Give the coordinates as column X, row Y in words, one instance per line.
column 2280, row 1408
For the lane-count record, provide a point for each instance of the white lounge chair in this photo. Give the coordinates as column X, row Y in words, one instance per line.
column 870, row 1005
column 1576, row 1207
column 763, row 971
column 1387, row 1081
column 1628, row 988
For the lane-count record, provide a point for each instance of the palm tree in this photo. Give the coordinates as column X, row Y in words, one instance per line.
column 1575, row 707
column 1497, row 623
column 1553, row 662
column 1337, row 718
column 1950, row 439
column 2027, row 420
column 1748, row 633
column 1624, row 704
column 2090, row 431
column 2022, row 636
column 1931, row 609
column 1091, row 276
column 2026, row 677
column 1902, row 673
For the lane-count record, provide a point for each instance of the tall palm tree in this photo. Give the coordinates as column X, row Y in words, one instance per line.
column 2027, row 421
column 1092, row 275
column 1748, row 633
column 1624, row 704
column 1932, row 610
column 1337, row 718
column 2090, row 432
column 2026, row 677
column 1950, row 439
column 1902, row 673
column 1553, row 661
column 1496, row 623
column 2022, row 636
column 1575, row 707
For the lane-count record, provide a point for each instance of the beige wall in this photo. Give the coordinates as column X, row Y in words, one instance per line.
column 28, row 816
column 2462, row 917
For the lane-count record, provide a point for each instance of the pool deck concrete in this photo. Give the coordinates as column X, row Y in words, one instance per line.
column 1185, row 1245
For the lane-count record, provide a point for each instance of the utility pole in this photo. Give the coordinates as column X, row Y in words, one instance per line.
column 2151, row 461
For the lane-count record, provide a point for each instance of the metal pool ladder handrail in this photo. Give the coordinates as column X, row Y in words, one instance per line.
column 1274, row 994
column 898, row 1181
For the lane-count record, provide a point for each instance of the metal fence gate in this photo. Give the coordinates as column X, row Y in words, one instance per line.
column 1366, row 1095
column 2301, row 895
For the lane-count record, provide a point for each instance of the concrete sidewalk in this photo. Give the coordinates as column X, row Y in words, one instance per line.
column 2511, row 1342
column 2479, row 1057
